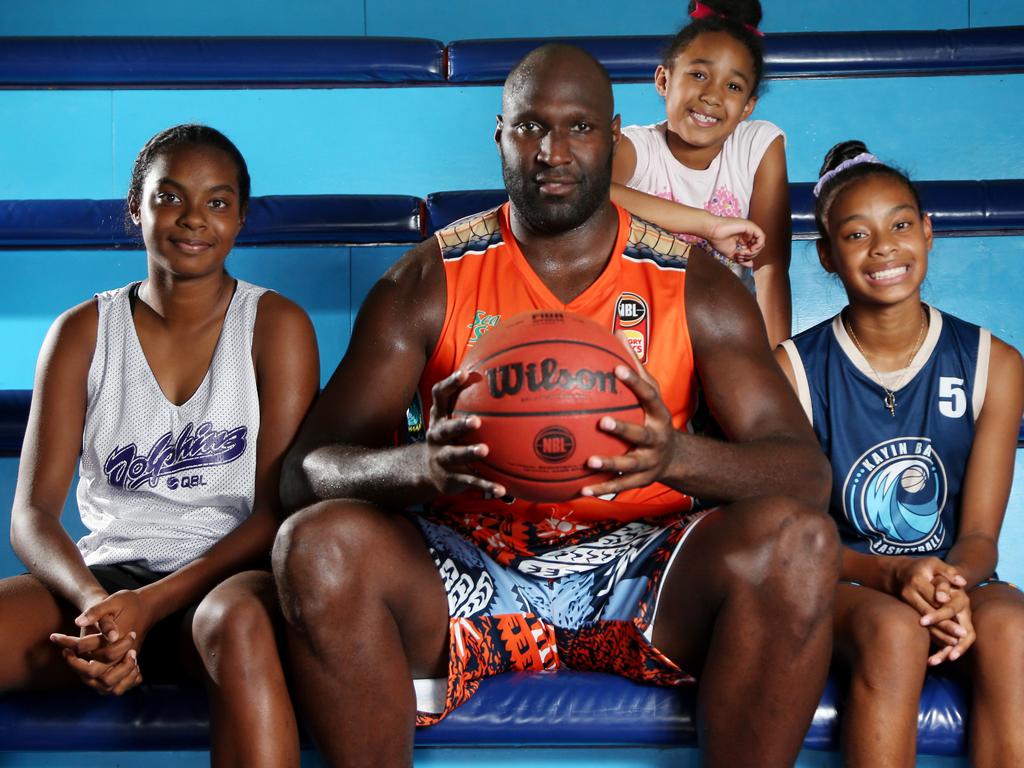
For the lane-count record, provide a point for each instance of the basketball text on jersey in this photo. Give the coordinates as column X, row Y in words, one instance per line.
column 895, row 493
column 202, row 447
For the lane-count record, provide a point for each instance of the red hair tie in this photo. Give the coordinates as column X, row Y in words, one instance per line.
column 701, row 11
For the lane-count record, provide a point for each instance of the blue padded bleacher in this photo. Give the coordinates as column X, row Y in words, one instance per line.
column 271, row 220
column 973, row 208
column 539, row 709
column 14, row 404
column 788, row 55
column 211, row 62
column 274, row 62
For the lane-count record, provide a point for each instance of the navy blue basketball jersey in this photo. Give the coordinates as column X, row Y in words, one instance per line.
column 896, row 480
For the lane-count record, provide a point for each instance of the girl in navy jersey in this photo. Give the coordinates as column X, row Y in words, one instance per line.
column 918, row 412
column 182, row 393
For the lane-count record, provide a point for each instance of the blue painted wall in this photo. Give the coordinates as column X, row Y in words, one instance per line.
column 421, row 140
column 456, row 19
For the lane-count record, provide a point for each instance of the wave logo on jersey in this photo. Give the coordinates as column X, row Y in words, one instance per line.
column 894, row 495
column 203, row 446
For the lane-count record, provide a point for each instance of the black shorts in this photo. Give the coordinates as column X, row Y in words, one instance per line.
column 167, row 651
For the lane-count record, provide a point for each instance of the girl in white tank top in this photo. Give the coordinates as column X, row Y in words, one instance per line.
column 182, row 393
column 708, row 155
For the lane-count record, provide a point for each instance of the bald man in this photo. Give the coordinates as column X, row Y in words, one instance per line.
column 403, row 564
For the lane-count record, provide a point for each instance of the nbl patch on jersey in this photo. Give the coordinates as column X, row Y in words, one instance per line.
column 894, row 495
column 633, row 321
column 194, row 448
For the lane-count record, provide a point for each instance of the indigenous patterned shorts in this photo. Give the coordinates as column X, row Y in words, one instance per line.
column 587, row 606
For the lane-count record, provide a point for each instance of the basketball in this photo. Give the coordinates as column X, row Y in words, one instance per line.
column 913, row 479
column 540, row 383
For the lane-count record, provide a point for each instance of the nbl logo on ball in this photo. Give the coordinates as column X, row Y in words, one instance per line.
column 894, row 495
column 554, row 444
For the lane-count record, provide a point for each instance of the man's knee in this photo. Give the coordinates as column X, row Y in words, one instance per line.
column 321, row 555
column 793, row 556
column 784, row 537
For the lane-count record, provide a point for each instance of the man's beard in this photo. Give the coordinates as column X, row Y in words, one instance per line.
column 551, row 217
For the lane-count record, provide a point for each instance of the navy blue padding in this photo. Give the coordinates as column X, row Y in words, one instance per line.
column 445, row 207
column 162, row 717
column 57, row 223
column 957, row 207
column 942, row 717
column 14, row 404
column 787, row 55
column 566, row 709
column 275, row 219
column 211, row 62
column 541, row 709
column 974, row 208
column 356, row 219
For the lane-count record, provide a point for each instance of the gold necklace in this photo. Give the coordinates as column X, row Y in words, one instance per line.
column 890, row 394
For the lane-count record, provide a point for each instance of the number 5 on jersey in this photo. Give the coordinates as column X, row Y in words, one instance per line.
column 952, row 398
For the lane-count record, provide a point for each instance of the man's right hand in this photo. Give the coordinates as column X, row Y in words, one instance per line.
column 449, row 458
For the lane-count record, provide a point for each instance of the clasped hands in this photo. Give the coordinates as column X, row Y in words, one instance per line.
column 105, row 654
column 938, row 591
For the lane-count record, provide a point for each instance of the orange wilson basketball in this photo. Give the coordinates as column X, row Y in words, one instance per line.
column 540, row 383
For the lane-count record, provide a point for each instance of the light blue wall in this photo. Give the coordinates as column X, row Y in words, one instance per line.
column 456, row 19
column 421, row 140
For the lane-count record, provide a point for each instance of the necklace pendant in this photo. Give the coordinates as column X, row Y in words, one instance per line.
column 890, row 403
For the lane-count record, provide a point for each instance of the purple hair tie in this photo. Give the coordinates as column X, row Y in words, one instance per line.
column 863, row 157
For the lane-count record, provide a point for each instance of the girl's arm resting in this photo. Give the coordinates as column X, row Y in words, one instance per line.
column 769, row 209
column 986, row 488
column 735, row 237
column 53, row 439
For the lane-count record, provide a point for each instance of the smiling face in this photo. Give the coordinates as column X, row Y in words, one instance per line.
column 878, row 241
column 708, row 90
column 189, row 210
column 555, row 137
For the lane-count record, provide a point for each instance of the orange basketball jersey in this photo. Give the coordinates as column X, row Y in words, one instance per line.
column 640, row 293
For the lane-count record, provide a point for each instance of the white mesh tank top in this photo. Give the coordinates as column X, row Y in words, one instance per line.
column 162, row 483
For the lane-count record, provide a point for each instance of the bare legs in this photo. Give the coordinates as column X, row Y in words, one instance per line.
column 881, row 640
column 748, row 603
column 251, row 717
column 29, row 613
column 747, row 607
column 233, row 629
column 996, row 666
column 366, row 613
column 879, row 637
